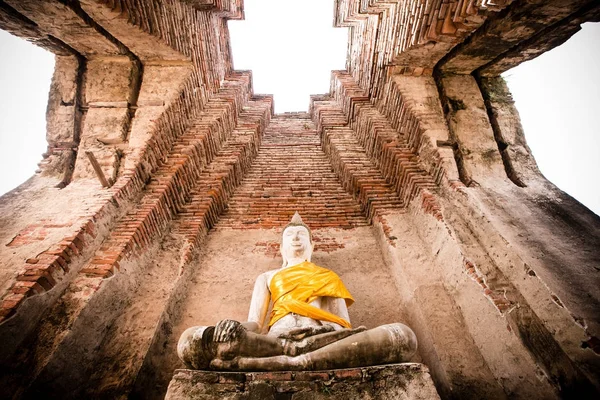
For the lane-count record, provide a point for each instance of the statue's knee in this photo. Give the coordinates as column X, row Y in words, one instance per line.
column 192, row 350
column 404, row 340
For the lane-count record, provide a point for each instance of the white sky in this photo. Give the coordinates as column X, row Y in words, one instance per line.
column 25, row 74
column 558, row 98
column 557, row 94
column 289, row 57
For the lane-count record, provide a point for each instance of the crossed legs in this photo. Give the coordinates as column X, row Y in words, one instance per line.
column 248, row 351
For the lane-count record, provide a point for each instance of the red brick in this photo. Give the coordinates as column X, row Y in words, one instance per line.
column 12, row 301
column 311, row 376
column 272, row 376
column 348, row 374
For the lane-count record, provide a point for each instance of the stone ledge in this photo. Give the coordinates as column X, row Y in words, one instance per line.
column 395, row 381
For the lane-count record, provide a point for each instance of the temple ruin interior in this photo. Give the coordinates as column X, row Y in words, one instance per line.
column 167, row 182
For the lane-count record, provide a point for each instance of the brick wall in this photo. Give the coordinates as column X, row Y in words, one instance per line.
column 209, row 158
column 406, row 37
column 375, row 157
column 170, row 121
column 291, row 173
column 358, row 173
column 161, row 199
column 190, row 149
column 217, row 184
column 393, row 148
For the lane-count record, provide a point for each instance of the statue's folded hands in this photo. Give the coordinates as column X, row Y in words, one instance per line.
column 309, row 326
column 301, row 333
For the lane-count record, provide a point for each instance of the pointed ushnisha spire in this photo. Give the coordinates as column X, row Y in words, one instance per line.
column 297, row 221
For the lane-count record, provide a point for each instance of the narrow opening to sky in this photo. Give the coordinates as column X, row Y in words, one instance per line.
column 557, row 94
column 291, row 48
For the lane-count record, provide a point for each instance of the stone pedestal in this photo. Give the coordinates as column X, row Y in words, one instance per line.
column 396, row 381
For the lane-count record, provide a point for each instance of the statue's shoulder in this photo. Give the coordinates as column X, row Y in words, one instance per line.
column 269, row 273
column 267, row 276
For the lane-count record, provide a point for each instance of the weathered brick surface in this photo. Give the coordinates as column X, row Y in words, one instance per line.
column 394, row 151
column 19, row 25
column 291, row 173
column 370, row 139
column 406, row 37
column 497, row 297
column 218, row 182
column 211, row 156
column 190, row 149
column 517, row 158
column 50, row 246
column 357, row 172
column 111, row 88
column 205, row 40
column 169, row 124
column 232, row 9
column 33, row 232
column 477, row 152
column 63, row 117
column 395, row 381
column 213, row 153
column 50, row 266
column 133, row 33
column 412, row 107
column 75, row 32
column 544, row 39
column 521, row 21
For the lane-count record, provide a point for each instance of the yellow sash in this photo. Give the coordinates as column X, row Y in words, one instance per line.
column 294, row 288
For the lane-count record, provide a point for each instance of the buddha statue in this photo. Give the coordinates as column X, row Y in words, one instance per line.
column 308, row 328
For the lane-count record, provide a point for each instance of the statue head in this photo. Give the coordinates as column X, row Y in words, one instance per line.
column 296, row 241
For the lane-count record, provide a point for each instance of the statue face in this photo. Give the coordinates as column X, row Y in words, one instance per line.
column 295, row 243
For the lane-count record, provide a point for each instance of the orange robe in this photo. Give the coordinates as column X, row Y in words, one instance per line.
column 294, row 288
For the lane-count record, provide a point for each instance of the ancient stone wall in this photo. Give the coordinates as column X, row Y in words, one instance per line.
column 167, row 181
column 400, row 381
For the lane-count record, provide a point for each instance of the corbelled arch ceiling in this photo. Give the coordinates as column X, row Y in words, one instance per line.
column 154, row 140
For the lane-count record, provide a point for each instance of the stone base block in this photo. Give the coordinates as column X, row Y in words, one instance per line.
column 409, row 381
